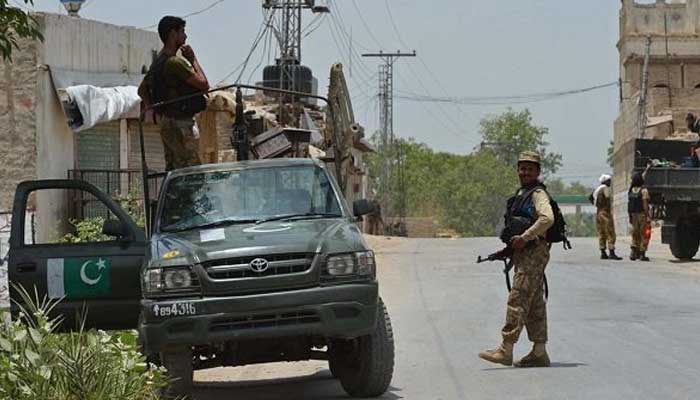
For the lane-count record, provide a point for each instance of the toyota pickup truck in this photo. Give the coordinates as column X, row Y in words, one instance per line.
column 248, row 262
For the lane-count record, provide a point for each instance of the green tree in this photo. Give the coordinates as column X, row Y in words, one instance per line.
column 15, row 24
column 513, row 132
column 611, row 151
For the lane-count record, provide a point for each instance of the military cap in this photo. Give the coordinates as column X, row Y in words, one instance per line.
column 530, row 156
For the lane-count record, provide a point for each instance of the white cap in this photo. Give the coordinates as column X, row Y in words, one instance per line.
column 604, row 178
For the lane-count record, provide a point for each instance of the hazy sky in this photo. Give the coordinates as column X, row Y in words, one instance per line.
column 473, row 48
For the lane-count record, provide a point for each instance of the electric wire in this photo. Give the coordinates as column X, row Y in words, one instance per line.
column 264, row 27
column 504, row 100
column 203, row 10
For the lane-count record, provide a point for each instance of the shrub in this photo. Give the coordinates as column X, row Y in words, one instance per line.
column 37, row 363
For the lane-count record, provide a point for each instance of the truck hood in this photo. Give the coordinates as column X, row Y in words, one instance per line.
column 326, row 236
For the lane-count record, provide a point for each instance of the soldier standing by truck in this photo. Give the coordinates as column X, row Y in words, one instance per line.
column 171, row 77
column 639, row 215
column 527, row 307
column 604, row 220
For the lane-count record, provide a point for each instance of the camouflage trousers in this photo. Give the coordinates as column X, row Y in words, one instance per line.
column 180, row 143
column 606, row 230
column 527, row 307
column 639, row 222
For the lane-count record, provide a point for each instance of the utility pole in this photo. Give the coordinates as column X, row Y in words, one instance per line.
column 386, row 126
column 642, row 116
column 288, row 31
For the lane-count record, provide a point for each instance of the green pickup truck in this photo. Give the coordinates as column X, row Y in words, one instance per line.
column 248, row 262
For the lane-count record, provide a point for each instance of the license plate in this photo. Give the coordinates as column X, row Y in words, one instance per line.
column 178, row 309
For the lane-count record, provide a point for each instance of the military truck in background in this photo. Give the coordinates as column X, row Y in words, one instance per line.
column 674, row 186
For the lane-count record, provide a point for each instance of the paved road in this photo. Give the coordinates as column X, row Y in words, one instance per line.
column 618, row 330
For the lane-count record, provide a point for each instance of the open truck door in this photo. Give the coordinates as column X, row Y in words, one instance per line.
column 96, row 280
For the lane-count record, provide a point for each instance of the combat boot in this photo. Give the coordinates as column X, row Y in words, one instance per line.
column 643, row 256
column 603, row 255
column 502, row 354
column 614, row 256
column 633, row 254
column 536, row 358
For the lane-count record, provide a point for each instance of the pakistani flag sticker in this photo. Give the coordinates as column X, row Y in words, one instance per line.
column 78, row 277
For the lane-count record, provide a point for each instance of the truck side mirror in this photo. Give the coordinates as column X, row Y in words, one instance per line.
column 115, row 228
column 363, row 207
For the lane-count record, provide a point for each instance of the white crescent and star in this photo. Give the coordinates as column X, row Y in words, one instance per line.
column 101, row 264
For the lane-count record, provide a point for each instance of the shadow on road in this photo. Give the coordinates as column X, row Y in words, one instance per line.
column 317, row 386
column 553, row 365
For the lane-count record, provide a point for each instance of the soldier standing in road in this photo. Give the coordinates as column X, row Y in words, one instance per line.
column 604, row 220
column 171, row 77
column 638, row 209
column 526, row 302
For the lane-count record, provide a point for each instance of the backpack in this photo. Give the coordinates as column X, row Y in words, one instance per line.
column 187, row 107
column 557, row 232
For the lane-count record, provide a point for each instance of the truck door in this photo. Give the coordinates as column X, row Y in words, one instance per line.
column 97, row 280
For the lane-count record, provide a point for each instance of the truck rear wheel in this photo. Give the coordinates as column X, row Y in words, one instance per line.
column 684, row 242
column 365, row 365
column 178, row 362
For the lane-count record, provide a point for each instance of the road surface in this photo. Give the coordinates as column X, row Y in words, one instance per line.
column 618, row 330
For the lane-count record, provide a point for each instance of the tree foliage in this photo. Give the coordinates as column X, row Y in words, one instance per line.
column 513, row 132
column 16, row 24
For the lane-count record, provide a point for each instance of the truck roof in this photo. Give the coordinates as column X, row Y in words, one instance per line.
column 269, row 163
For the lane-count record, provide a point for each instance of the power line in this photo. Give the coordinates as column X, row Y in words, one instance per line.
column 369, row 31
column 504, row 100
column 264, row 27
column 205, row 9
column 393, row 23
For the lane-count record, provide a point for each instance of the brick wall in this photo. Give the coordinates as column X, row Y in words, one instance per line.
column 17, row 122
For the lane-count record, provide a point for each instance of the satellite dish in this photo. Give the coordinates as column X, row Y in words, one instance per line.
column 72, row 6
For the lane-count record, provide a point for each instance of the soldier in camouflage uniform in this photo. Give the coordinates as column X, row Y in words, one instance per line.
column 170, row 77
column 603, row 219
column 526, row 302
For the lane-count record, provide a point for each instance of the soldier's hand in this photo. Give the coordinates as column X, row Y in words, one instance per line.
column 187, row 52
column 517, row 242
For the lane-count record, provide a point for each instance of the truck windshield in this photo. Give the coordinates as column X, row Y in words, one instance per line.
column 244, row 196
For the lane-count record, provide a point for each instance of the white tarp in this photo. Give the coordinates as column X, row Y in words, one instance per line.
column 98, row 105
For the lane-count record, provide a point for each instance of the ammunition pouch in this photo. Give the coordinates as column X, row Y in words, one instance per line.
column 515, row 226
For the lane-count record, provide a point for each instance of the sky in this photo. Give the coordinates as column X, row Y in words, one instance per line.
column 464, row 48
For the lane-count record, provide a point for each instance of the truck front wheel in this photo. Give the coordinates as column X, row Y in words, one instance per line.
column 365, row 365
column 684, row 242
column 178, row 362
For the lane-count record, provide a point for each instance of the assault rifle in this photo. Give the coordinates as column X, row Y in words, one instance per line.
column 505, row 255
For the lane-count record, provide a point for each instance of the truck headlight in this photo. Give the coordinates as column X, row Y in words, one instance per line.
column 169, row 280
column 360, row 263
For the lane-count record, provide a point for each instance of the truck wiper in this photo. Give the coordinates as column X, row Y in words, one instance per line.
column 297, row 216
column 215, row 224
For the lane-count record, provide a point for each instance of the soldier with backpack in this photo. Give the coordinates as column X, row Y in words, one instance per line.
column 533, row 210
column 171, row 77
column 639, row 215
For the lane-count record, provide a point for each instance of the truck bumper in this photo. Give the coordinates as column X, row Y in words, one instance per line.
column 344, row 311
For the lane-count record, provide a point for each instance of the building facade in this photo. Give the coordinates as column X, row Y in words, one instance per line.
column 665, row 94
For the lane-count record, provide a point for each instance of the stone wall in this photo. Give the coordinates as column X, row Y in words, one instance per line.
column 17, row 122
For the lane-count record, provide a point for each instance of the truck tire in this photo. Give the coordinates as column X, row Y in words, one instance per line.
column 684, row 242
column 178, row 362
column 365, row 365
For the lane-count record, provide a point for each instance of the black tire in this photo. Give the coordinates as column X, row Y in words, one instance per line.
column 684, row 242
column 365, row 365
column 178, row 362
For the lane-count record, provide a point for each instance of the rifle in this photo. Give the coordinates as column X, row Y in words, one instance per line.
column 505, row 255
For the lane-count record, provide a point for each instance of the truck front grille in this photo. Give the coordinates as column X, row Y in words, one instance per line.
column 278, row 264
column 265, row 321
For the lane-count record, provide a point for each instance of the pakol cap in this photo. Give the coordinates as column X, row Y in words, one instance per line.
column 530, row 156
